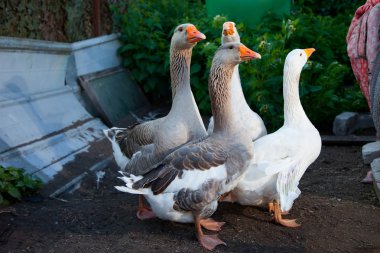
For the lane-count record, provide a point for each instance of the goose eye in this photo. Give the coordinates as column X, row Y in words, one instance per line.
column 180, row 29
column 230, row 47
column 300, row 54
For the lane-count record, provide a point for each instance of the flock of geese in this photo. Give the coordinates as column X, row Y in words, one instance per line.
column 183, row 171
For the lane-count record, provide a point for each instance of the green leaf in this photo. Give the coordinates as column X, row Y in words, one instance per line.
column 14, row 192
column 195, row 68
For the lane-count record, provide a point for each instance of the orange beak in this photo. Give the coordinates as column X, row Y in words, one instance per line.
column 309, row 51
column 193, row 35
column 247, row 54
column 228, row 28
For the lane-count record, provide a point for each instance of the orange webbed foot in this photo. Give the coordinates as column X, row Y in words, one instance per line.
column 211, row 224
column 275, row 209
column 143, row 211
column 209, row 242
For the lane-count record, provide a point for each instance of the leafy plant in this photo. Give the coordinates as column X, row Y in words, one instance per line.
column 15, row 183
column 327, row 84
column 146, row 31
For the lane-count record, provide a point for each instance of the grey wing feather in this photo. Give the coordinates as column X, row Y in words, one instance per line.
column 133, row 138
column 198, row 156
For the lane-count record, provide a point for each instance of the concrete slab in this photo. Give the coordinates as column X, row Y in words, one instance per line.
column 347, row 140
column 47, row 156
column 43, row 125
column 375, row 168
column 371, row 151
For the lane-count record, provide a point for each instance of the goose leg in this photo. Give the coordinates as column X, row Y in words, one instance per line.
column 211, row 224
column 144, row 212
column 208, row 242
column 278, row 216
column 271, row 209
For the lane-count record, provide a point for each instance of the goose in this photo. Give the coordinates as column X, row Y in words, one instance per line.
column 150, row 142
column 250, row 120
column 281, row 158
column 186, row 185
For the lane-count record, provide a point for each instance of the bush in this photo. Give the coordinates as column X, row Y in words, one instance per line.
column 326, row 87
column 14, row 184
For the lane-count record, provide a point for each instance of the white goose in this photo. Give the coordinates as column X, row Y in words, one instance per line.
column 186, row 185
column 250, row 120
column 281, row 158
column 155, row 139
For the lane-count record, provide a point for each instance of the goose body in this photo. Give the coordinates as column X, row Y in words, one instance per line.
column 186, row 185
column 281, row 158
column 249, row 120
column 139, row 147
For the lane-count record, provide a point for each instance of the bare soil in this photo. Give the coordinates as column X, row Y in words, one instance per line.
column 337, row 213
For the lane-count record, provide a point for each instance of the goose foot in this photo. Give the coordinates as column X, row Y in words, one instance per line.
column 274, row 208
column 289, row 223
column 285, row 212
column 143, row 211
column 211, row 224
column 208, row 242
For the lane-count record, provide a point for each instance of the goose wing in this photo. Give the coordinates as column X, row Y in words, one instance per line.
column 198, row 157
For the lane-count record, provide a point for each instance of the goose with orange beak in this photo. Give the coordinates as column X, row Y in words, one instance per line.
column 186, row 185
column 137, row 148
column 281, row 158
column 249, row 120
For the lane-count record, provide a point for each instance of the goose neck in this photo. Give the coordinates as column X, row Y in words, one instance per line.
column 293, row 110
column 220, row 95
column 238, row 99
column 180, row 60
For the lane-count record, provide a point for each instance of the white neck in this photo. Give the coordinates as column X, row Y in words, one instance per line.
column 238, row 99
column 293, row 110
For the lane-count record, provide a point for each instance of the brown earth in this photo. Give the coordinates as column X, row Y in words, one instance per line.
column 337, row 212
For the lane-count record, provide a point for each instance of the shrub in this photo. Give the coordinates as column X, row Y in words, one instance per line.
column 14, row 184
column 326, row 87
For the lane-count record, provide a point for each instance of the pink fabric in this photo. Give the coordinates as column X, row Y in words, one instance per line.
column 363, row 43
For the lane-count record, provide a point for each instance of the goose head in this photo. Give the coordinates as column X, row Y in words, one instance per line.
column 225, row 59
column 186, row 36
column 297, row 58
column 234, row 53
column 229, row 33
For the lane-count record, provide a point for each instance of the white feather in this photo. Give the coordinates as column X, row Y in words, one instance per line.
column 120, row 158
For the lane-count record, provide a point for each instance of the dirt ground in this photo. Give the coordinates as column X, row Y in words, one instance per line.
column 337, row 212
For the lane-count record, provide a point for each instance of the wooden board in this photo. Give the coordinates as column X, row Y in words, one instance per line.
column 114, row 95
column 347, row 140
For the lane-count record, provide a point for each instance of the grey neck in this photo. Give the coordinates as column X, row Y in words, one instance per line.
column 220, row 95
column 180, row 60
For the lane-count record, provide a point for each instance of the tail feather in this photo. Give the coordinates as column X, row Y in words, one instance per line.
column 121, row 159
column 129, row 190
column 129, row 180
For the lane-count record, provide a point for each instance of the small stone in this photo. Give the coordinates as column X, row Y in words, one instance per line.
column 371, row 151
column 345, row 123
column 364, row 121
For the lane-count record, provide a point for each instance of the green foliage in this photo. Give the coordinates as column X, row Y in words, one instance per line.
column 323, row 82
column 14, row 184
column 326, row 87
column 146, row 31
